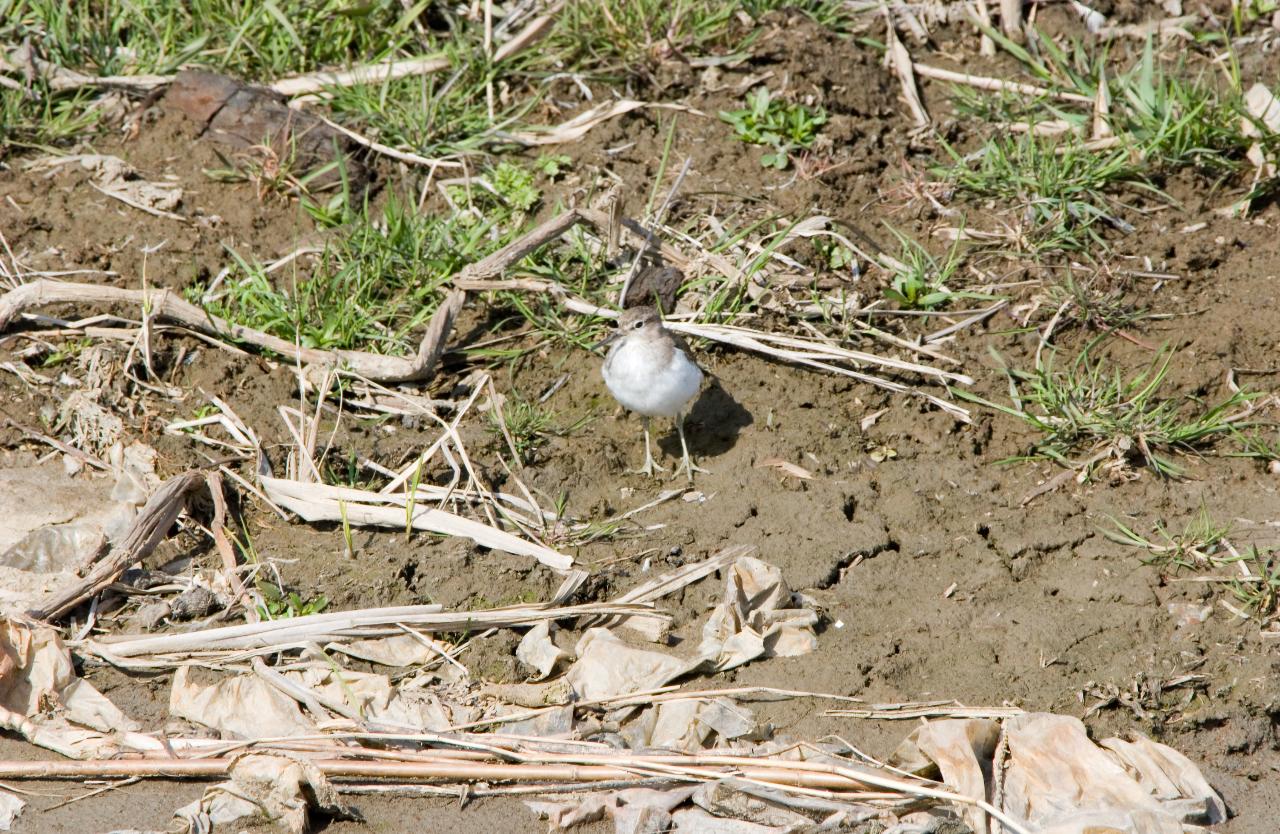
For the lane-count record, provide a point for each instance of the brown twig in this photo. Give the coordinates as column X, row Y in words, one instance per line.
column 493, row 265
column 223, row 545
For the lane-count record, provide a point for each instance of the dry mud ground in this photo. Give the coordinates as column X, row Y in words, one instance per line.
column 1045, row 612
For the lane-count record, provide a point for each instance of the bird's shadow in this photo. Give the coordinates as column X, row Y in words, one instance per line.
column 712, row 425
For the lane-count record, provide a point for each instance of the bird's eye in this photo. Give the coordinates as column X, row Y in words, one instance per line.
column 638, row 325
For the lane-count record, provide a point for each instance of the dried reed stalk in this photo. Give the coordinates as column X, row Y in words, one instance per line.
column 341, row 626
column 164, row 304
column 807, row 777
column 321, row 502
column 367, row 74
column 983, row 82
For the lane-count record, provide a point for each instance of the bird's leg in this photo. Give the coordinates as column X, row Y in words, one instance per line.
column 686, row 463
column 650, row 465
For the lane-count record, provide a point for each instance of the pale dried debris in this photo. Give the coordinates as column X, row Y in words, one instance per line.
column 148, row 529
column 270, row 636
column 43, row 700
column 539, row 652
column 607, row 667
column 321, row 502
column 10, row 808
column 957, row 749
column 46, row 545
column 786, row 468
column 759, row 617
column 655, row 628
column 119, row 180
column 1094, row 21
column 983, row 82
column 1011, row 19
column 1264, row 109
column 634, row 810
column 1163, row 28
column 277, row 787
column 240, row 706
column 315, row 82
column 24, row 59
column 691, row 724
column 409, row 649
column 270, row 704
column 755, row 619
column 1056, row 780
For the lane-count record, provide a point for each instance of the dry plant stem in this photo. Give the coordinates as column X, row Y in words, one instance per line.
column 402, row 790
column 963, row 323
column 529, row 35
column 902, row 66
column 60, row 78
column 148, row 530
column 462, row 771
column 1011, row 18
column 1163, row 26
column 695, row 768
column 983, row 82
column 387, row 150
column 347, row 625
column 899, row 712
column 368, row 74
column 321, row 502
column 495, row 264
column 223, row 544
column 116, row 195
column 986, row 46
column 163, row 303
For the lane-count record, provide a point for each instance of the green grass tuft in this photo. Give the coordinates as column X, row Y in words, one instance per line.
column 374, row 286
column 1201, row 544
column 1087, row 413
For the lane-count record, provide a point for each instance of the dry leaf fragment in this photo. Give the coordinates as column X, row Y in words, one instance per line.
column 871, row 419
column 1265, row 109
column 10, row 807
column 787, row 468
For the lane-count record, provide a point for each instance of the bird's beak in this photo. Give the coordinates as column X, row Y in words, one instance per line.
column 606, row 341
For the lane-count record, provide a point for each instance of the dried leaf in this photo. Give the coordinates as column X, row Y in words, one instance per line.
column 871, row 419
column 787, row 467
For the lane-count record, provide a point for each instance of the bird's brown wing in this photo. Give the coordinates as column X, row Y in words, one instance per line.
column 656, row 285
column 681, row 344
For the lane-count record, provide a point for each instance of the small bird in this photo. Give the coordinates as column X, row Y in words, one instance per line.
column 649, row 371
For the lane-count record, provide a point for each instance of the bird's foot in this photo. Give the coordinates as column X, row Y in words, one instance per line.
column 688, row 467
column 650, row 468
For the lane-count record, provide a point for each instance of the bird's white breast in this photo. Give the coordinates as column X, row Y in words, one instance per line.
column 650, row 378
